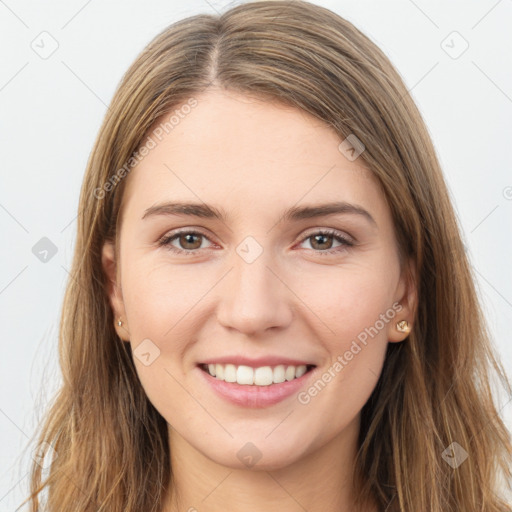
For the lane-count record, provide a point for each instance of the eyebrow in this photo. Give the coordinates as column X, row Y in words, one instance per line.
column 294, row 213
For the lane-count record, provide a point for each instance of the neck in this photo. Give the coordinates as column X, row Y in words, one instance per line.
column 320, row 481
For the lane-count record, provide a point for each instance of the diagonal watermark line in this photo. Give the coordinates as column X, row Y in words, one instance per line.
column 199, row 403
column 492, row 81
column 217, row 486
column 165, row 165
column 304, row 195
column 71, row 221
column 390, row 502
column 424, row 14
column 206, row 1
column 275, row 17
column 498, row 413
column 448, row 392
column 417, row 83
column 14, row 76
column 73, row 277
column 76, row 14
column 14, row 218
column 78, row 487
column 12, row 280
column 291, row 496
column 84, row 83
column 497, row 291
column 13, row 13
column 300, row 300
column 279, row 423
column 499, row 1
column 198, row 301
column 13, row 487
column 229, row 5
column 484, row 218
column 14, row 423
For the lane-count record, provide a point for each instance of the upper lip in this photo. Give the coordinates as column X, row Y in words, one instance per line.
column 257, row 362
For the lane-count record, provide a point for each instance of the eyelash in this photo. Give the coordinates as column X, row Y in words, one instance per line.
column 167, row 239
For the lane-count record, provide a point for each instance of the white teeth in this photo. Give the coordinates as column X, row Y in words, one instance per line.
column 262, row 376
column 300, row 371
column 230, row 373
column 290, row 373
column 245, row 375
column 279, row 374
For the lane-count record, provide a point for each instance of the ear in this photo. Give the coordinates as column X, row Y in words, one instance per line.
column 407, row 297
column 114, row 292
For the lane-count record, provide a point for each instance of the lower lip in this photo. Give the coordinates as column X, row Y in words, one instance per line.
column 255, row 396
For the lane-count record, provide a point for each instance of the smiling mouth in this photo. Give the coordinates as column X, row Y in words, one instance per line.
column 261, row 376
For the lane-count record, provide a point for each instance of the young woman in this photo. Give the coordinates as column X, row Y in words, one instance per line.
column 270, row 305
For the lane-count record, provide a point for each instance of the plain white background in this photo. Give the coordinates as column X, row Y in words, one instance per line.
column 454, row 57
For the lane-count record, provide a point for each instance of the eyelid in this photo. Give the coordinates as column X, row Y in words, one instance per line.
column 347, row 239
column 167, row 237
column 328, row 231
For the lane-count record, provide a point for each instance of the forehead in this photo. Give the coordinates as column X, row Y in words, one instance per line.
column 248, row 155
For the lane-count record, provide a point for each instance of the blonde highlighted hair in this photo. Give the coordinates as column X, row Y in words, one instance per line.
column 434, row 390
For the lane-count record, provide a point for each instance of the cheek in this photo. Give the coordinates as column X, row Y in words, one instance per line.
column 348, row 302
column 165, row 301
column 159, row 302
column 358, row 318
column 159, row 298
column 353, row 310
column 332, row 306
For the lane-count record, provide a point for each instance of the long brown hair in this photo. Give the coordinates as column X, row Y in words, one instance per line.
column 435, row 388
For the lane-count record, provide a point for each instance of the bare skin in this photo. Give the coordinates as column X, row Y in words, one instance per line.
column 254, row 160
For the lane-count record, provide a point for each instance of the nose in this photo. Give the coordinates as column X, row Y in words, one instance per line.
column 254, row 297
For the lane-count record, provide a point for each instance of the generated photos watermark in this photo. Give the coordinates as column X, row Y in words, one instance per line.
column 164, row 128
column 304, row 397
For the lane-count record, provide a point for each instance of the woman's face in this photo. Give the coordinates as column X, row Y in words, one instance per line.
column 259, row 287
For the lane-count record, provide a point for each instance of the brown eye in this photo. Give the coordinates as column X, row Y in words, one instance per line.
column 322, row 242
column 188, row 242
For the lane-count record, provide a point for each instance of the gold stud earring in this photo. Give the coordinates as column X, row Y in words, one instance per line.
column 403, row 326
column 119, row 323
